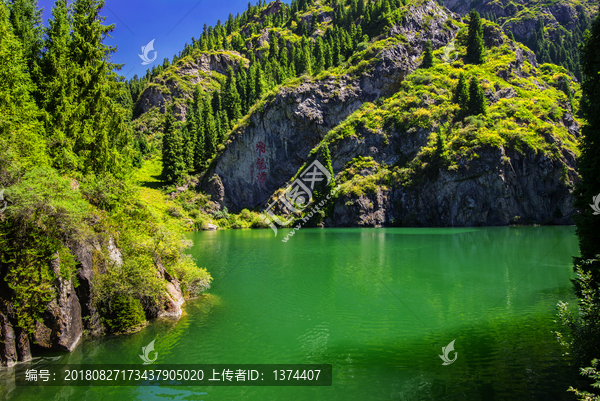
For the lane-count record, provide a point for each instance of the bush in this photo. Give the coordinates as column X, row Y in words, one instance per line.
column 192, row 279
column 124, row 313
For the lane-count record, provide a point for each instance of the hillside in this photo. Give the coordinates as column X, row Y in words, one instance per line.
column 398, row 146
column 552, row 29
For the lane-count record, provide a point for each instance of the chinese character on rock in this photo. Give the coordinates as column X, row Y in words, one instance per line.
column 260, row 148
column 261, row 178
column 260, row 164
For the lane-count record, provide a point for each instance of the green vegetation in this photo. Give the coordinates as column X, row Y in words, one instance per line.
column 66, row 169
column 551, row 42
column 584, row 326
column 449, row 102
column 475, row 48
column 215, row 109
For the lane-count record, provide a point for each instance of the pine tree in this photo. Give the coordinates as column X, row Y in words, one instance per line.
column 305, row 59
column 476, row 104
column 174, row 166
column 188, row 149
column 231, row 97
column 26, row 19
column 319, row 55
column 103, row 135
column 259, row 83
column 461, row 96
column 323, row 189
column 57, row 90
column 196, row 127
column 427, row 56
column 475, row 47
column 20, row 131
column 589, row 161
column 210, row 130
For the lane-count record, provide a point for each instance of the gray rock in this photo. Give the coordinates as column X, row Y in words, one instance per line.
column 8, row 348
column 296, row 119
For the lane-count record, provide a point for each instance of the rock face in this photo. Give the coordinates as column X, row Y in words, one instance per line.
column 193, row 72
column 62, row 324
column 511, row 17
column 500, row 187
column 62, row 327
column 277, row 139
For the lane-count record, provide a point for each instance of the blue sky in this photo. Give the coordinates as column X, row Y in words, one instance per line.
column 171, row 23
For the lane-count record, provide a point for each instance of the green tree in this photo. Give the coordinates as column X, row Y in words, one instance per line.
column 475, row 47
column 174, row 166
column 231, row 97
column 461, row 95
column 476, row 104
column 20, row 130
column 589, row 161
column 305, row 58
column 427, row 56
column 100, row 135
column 26, row 19
column 58, row 90
column 210, row 130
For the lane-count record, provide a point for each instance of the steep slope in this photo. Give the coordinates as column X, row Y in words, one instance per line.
column 408, row 160
column 552, row 29
column 291, row 121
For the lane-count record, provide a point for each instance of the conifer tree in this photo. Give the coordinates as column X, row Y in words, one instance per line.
column 20, row 131
column 475, row 47
column 428, row 56
column 198, row 129
column 188, row 149
column 231, row 97
column 259, row 83
column 103, row 136
column 210, row 130
column 589, row 161
column 461, row 96
column 57, row 90
column 319, row 55
column 476, row 103
column 241, row 87
column 174, row 166
column 26, row 19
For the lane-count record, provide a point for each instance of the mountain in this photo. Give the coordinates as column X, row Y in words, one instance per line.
column 552, row 29
column 399, row 149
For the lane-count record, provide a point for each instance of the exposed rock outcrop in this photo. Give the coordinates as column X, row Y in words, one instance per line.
column 297, row 118
column 198, row 71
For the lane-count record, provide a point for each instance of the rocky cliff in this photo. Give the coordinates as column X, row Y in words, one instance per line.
column 72, row 310
column 294, row 120
column 391, row 113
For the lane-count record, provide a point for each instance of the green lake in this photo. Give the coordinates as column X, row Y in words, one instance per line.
column 377, row 304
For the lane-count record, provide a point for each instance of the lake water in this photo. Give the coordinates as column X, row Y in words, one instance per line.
column 377, row 304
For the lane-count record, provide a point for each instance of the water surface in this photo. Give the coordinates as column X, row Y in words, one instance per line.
column 377, row 304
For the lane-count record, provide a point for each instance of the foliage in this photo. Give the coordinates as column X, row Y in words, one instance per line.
column 427, row 56
column 584, row 326
column 589, row 161
column 43, row 215
column 475, row 48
